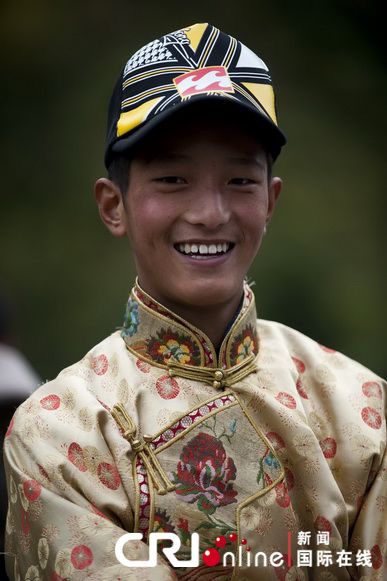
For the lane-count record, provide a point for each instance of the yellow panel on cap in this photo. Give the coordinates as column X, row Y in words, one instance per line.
column 194, row 34
column 265, row 95
column 131, row 119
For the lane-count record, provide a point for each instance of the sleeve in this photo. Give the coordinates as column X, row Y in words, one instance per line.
column 368, row 542
column 56, row 528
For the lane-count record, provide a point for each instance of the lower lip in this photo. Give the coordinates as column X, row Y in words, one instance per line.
column 206, row 259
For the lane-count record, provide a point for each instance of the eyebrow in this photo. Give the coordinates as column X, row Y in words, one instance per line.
column 241, row 160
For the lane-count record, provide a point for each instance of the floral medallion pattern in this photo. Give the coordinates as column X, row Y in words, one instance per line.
column 171, row 345
column 245, row 344
column 205, row 474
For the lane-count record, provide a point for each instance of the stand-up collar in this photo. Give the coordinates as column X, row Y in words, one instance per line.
column 157, row 335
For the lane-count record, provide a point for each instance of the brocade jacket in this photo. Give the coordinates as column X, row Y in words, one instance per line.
column 273, row 444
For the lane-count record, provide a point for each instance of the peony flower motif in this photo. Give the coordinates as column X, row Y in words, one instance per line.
column 376, row 557
column 328, row 447
column 100, row 364
column 109, row 476
column 81, row 557
column 170, row 345
column 50, row 402
column 245, row 344
column 275, row 440
column 372, row 389
column 167, row 387
column 43, row 552
column 286, row 399
column 371, row 417
column 204, row 474
column 322, row 524
column 299, row 364
column 75, row 455
column 32, row 489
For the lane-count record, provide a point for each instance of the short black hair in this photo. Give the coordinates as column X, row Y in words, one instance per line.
column 118, row 172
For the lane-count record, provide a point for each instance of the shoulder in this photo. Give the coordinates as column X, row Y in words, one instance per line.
column 76, row 398
column 326, row 380
column 304, row 350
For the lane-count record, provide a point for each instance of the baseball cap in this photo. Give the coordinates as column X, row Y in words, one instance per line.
column 194, row 64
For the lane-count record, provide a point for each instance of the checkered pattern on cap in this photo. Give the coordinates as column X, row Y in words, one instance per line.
column 196, row 63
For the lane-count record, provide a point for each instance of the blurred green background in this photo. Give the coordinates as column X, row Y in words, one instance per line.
column 322, row 266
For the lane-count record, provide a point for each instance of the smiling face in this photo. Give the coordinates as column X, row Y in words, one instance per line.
column 195, row 210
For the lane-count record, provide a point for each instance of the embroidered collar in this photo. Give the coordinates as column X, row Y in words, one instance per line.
column 157, row 335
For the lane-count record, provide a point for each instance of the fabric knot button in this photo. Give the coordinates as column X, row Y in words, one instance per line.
column 217, row 384
column 218, row 375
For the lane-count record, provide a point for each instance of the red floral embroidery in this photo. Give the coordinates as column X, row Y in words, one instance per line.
column 286, row 399
column 282, row 495
column 327, row 349
column 162, row 522
column 50, row 402
column 108, row 475
column 143, row 366
column 32, row 489
column 75, row 455
column 81, row 557
column 98, row 512
column 300, row 389
column 289, row 478
column 43, row 472
column 372, row 389
column 10, row 428
column 167, row 387
column 376, row 557
column 328, row 447
column 56, row 577
column 25, row 521
column 100, row 364
column 299, row 364
column 371, row 417
column 322, row 524
column 275, row 440
column 204, row 474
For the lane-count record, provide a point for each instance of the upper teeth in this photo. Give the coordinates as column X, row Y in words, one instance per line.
column 204, row 248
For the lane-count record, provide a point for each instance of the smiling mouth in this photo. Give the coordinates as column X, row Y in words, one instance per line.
column 201, row 251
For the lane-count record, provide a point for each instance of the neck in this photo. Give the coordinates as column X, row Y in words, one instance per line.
column 212, row 320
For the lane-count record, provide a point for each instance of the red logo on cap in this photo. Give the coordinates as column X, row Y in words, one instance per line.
column 206, row 80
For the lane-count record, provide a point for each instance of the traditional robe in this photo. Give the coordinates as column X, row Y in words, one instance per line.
column 272, row 444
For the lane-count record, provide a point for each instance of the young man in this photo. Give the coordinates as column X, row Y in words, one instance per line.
column 196, row 418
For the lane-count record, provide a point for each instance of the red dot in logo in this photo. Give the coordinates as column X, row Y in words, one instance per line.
column 248, row 549
column 244, row 541
column 220, row 541
column 232, row 537
column 211, row 557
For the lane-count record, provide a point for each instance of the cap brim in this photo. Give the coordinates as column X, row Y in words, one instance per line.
column 268, row 134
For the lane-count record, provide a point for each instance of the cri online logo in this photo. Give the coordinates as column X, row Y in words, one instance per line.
column 211, row 557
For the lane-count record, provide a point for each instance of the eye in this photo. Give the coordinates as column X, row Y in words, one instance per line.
column 242, row 181
column 171, row 180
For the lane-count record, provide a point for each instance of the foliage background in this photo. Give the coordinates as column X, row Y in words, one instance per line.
column 322, row 267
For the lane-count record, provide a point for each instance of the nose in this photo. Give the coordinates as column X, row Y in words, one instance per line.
column 208, row 207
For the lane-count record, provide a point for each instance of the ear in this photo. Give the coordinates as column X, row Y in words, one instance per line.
column 111, row 206
column 275, row 187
